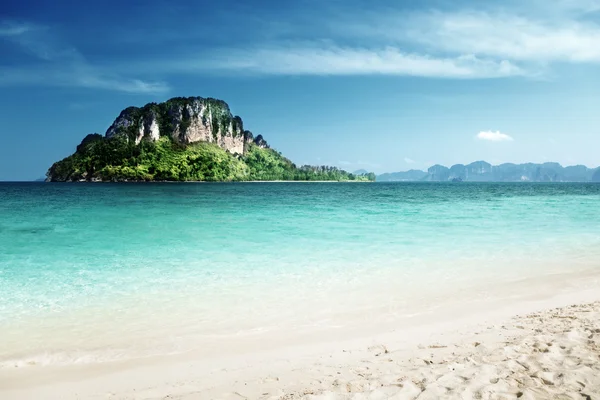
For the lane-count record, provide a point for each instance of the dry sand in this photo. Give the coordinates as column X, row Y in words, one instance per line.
column 549, row 354
column 553, row 354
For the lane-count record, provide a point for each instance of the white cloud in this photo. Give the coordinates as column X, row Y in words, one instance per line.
column 507, row 36
column 543, row 33
column 73, row 76
column 100, row 81
column 56, row 63
column 463, row 44
column 325, row 59
column 408, row 160
column 518, row 39
column 494, row 136
column 11, row 28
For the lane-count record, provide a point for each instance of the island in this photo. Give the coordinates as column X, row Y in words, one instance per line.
column 184, row 139
column 481, row 171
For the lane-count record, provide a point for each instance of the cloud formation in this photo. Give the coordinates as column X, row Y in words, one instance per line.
column 70, row 75
column 506, row 36
column 409, row 160
column 56, row 63
column 494, row 136
column 325, row 59
column 461, row 44
column 11, row 28
column 486, row 42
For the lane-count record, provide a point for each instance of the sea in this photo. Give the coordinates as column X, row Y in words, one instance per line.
column 96, row 273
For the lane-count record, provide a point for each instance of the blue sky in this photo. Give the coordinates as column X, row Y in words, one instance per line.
column 380, row 85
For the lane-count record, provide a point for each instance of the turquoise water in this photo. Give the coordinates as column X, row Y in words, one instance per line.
column 93, row 263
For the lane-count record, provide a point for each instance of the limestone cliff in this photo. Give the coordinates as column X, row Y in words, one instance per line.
column 185, row 120
column 481, row 171
column 183, row 139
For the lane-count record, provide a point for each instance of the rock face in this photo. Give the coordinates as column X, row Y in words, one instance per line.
column 481, row 171
column 149, row 128
column 406, row 176
column 183, row 139
column 438, row 173
column 478, row 171
column 185, row 120
column 458, row 171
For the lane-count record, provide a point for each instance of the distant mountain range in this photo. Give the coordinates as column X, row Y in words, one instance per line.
column 481, row 171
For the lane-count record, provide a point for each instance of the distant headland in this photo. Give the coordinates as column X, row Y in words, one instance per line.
column 481, row 171
column 184, row 139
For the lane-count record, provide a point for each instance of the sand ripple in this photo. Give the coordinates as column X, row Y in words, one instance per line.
column 549, row 355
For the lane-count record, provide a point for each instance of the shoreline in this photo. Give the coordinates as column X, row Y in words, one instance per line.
column 306, row 367
column 348, row 181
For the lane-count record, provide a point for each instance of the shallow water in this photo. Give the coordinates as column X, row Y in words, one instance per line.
column 100, row 272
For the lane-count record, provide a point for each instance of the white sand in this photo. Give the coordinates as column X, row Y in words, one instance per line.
column 466, row 351
column 553, row 354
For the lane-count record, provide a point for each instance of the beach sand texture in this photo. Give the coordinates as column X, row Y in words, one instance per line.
column 300, row 292
column 553, row 354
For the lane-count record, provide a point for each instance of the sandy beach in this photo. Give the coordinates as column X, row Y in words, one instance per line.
column 535, row 347
column 299, row 292
column 543, row 355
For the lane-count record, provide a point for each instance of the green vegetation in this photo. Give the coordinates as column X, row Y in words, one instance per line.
column 266, row 164
column 119, row 159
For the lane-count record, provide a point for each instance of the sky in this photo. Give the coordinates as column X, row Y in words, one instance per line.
column 378, row 85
